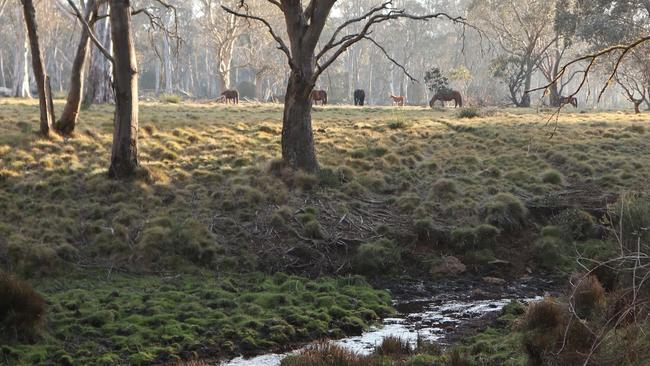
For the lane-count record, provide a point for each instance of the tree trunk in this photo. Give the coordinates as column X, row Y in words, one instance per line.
column 3, row 81
column 124, row 157
column 98, row 86
column 297, row 136
column 525, row 98
column 42, row 81
column 554, row 95
column 66, row 123
column 167, row 64
column 222, row 81
column 21, row 66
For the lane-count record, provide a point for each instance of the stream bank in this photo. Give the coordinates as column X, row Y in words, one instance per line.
column 442, row 313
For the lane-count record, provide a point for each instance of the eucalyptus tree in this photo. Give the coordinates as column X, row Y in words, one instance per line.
column 66, row 123
column 124, row 156
column 304, row 27
column 42, row 80
column 523, row 31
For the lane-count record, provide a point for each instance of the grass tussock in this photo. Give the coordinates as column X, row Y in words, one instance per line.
column 22, row 309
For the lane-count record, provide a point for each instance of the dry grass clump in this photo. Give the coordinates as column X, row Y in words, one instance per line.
column 327, row 355
column 22, row 309
column 394, row 347
column 588, row 297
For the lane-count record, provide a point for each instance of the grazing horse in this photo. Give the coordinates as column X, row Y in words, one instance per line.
column 398, row 100
column 446, row 96
column 569, row 100
column 319, row 96
column 230, row 96
column 359, row 97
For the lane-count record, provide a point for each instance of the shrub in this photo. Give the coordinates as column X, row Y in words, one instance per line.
column 469, row 113
column 22, row 309
column 552, row 176
column 505, row 211
column 588, row 297
column 380, row 256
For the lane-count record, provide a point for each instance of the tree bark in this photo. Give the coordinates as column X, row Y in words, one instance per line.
column 21, row 66
column 167, row 64
column 98, row 86
column 3, row 81
column 42, row 81
column 66, row 123
column 124, row 157
column 297, row 136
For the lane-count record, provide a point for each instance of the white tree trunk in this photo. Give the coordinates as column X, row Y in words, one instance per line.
column 167, row 65
column 21, row 63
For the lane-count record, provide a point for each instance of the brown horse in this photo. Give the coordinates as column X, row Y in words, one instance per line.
column 446, row 96
column 319, row 96
column 398, row 100
column 569, row 100
column 230, row 96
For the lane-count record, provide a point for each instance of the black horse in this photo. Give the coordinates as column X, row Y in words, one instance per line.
column 359, row 97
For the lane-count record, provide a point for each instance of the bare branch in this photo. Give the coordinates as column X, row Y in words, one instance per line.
column 91, row 33
column 281, row 45
column 383, row 50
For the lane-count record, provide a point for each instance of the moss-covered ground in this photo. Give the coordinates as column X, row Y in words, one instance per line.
column 138, row 320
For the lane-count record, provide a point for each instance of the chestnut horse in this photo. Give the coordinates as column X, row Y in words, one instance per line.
column 319, row 96
column 446, row 96
column 230, row 96
column 398, row 100
column 569, row 100
column 359, row 97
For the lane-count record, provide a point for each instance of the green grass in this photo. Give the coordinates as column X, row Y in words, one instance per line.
column 141, row 319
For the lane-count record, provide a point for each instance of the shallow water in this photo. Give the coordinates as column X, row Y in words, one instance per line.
column 426, row 319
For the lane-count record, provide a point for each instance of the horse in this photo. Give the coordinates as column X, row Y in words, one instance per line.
column 446, row 96
column 319, row 96
column 569, row 100
column 398, row 100
column 230, row 95
column 359, row 97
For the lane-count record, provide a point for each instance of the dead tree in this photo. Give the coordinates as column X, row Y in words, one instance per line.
column 66, row 123
column 304, row 27
column 42, row 80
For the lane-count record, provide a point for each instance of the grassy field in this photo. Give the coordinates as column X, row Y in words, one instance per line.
column 400, row 191
column 414, row 177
